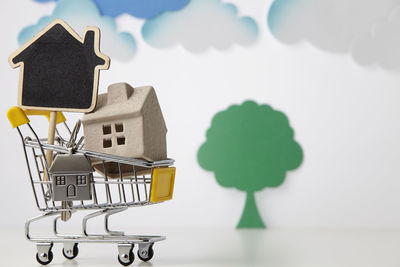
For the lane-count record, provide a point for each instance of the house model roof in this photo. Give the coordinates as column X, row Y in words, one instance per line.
column 76, row 163
column 122, row 101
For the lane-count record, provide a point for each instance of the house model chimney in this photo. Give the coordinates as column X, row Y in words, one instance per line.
column 118, row 93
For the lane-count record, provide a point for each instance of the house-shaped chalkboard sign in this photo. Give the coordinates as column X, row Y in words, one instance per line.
column 59, row 71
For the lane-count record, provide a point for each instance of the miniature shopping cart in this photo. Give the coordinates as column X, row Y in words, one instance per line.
column 145, row 184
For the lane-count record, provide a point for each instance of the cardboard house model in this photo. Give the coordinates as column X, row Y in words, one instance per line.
column 71, row 177
column 127, row 122
column 59, row 70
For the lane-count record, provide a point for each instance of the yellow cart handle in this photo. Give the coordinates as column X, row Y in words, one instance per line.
column 18, row 116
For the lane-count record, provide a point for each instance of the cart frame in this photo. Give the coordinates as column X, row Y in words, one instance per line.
column 115, row 201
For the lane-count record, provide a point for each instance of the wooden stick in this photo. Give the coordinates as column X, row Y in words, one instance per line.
column 50, row 141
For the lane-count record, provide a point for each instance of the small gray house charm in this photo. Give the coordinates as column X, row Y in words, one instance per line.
column 71, row 177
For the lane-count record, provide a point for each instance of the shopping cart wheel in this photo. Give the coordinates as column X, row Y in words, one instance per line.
column 145, row 252
column 44, row 259
column 44, row 255
column 70, row 250
column 125, row 254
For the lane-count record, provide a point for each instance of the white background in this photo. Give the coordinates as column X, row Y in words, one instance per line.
column 346, row 118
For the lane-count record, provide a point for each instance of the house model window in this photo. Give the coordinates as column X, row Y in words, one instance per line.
column 106, row 129
column 60, row 180
column 81, row 180
column 111, row 130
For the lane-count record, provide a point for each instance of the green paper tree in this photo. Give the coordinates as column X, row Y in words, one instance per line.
column 250, row 147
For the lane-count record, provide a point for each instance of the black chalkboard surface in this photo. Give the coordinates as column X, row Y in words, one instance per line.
column 59, row 70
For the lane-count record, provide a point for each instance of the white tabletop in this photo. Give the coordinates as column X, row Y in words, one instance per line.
column 202, row 247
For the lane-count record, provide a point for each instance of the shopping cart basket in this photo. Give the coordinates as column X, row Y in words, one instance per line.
column 147, row 183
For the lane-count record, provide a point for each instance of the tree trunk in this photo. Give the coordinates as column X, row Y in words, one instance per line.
column 250, row 216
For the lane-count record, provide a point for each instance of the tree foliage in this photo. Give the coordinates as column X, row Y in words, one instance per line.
column 250, row 147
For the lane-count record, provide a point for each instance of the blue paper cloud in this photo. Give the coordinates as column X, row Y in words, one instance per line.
column 137, row 8
column 79, row 14
column 202, row 24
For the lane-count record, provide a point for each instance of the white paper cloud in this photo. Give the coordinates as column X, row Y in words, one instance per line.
column 380, row 46
column 202, row 24
column 345, row 26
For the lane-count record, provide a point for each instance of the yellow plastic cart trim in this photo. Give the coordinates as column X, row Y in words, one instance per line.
column 46, row 113
column 17, row 117
column 162, row 184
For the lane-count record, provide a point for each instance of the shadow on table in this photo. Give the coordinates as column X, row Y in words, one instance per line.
column 216, row 248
